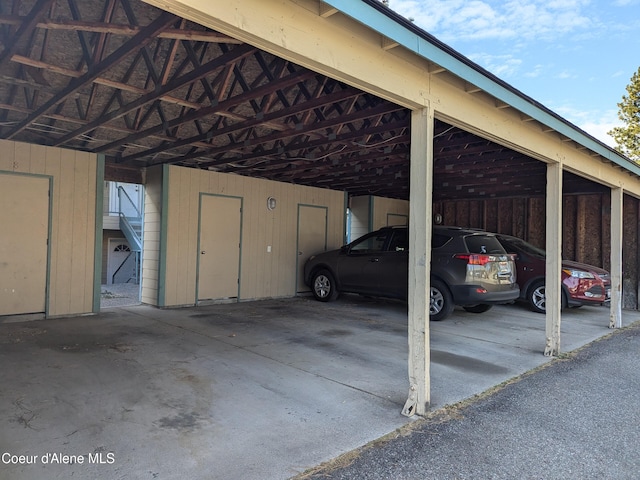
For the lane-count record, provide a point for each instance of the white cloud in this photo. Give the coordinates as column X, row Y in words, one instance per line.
column 503, row 66
column 599, row 131
column 495, row 19
column 565, row 74
column 535, row 72
column 594, row 122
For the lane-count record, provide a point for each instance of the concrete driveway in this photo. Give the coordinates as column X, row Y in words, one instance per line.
column 258, row 390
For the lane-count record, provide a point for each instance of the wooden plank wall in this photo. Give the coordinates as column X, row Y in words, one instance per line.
column 151, row 236
column 263, row 274
column 382, row 207
column 72, row 241
column 630, row 254
column 586, row 228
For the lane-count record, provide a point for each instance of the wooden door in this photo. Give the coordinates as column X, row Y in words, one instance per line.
column 312, row 237
column 24, row 216
column 219, row 247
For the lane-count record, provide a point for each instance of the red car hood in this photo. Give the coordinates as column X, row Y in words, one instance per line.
column 583, row 266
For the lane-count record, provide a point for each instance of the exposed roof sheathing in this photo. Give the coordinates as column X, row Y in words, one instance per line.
column 144, row 87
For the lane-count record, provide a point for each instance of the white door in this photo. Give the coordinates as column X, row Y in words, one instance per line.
column 219, row 255
column 117, row 270
column 24, row 217
column 312, row 237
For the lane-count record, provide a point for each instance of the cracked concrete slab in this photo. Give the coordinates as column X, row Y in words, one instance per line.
column 255, row 390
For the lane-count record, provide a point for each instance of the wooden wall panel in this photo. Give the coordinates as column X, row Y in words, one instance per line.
column 263, row 274
column 72, row 240
column 491, row 215
column 152, row 236
column 504, row 216
column 519, row 222
column 382, row 207
column 605, row 246
column 569, row 233
column 476, row 217
column 535, row 231
column 630, row 256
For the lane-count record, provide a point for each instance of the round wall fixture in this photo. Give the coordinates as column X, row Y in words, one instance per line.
column 271, row 203
column 437, row 219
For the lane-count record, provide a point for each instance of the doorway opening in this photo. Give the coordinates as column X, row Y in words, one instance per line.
column 122, row 244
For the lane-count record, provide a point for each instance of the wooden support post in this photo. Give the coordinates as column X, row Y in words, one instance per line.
column 553, row 293
column 615, row 311
column 420, row 222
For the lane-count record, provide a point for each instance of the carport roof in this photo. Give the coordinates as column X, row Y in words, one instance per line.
column 144, row 88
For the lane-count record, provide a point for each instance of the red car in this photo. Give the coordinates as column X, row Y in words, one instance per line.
column 582, row 284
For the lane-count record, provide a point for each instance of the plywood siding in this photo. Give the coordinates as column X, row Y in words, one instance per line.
column 72, row 240
column 369, row 213
column 263, row 274
column 151, row 238
column 360, row 215
column 630, row 257
column 383, row 207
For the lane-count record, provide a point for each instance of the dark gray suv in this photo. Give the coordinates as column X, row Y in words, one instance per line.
column 469, row 268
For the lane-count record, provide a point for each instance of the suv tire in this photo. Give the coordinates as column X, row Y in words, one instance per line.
column 440, row 301
column 480, row 308
column 323, row 286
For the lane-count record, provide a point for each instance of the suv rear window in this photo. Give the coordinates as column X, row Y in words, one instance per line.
column 483, row 244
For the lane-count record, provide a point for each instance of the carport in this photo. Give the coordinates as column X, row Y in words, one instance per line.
column 212, row 108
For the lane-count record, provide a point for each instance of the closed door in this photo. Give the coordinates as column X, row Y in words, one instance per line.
column 24, row 217
column 219, row 255
column 120, row 262
column 312, row 237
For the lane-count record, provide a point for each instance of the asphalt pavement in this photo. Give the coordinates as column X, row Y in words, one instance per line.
column 577, row 417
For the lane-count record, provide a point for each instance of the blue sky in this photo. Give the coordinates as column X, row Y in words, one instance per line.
column 574, row 56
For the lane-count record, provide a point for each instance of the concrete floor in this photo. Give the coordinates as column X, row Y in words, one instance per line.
column 257, row 390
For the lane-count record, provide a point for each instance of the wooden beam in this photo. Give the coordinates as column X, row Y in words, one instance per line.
column 27, row 25
column 615, row 311
column 388, row 44
column 420, row 221
column 140, row 40
column 326, row 10
column 553, row 292
column 208, row 36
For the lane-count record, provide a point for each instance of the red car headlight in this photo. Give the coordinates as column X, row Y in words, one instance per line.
column 578, row 273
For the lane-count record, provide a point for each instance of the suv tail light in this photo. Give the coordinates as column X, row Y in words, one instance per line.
column 482, row 258
column 475, row 258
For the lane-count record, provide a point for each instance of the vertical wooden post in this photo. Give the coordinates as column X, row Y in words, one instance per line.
column 615, row 311
column 420, row 213
column 553, row 293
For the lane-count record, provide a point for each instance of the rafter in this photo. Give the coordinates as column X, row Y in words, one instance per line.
column 159, row 91
column 140, row 40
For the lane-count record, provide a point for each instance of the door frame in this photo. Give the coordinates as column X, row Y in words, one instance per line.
column 47, row 277
column 200, row 197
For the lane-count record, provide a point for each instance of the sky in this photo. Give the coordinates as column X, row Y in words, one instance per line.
column 576, row 57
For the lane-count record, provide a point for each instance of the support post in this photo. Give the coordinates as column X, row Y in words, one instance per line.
column 420, row 222
column 553, row 292
column 615, row 310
